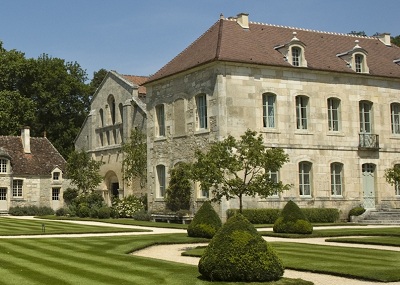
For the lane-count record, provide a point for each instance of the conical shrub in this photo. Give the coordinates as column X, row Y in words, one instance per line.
column 238, row 252
column 292, row 220
column 205, row 223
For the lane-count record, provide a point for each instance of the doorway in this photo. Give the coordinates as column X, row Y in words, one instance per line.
column 368, row 184
column 3, row 199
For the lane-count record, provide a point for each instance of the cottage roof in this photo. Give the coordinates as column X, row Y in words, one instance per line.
column 41, row 161
column 228, row 41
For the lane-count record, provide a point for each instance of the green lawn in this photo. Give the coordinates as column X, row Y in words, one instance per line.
column 376, row 265
column 376, row 240
column 100, row 260
column 10, row 226
column 357, row 231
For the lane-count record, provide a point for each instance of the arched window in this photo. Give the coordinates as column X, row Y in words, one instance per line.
column 359, row 63
column 161, row 181
column 101, row 115
column 269, row 110
column 333, row 114
column 111, row 105
column 395, row 117
column 296, row 56
column 121, row 112
column 336, row 179
column 305, row 179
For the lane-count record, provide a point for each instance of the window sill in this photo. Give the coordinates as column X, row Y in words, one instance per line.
column 395, row 136
column 158, row 139
column 303, row 132
column 202, row 132
column 305, row 197
column 17, row 199
column 270, row 131
column 335, row 134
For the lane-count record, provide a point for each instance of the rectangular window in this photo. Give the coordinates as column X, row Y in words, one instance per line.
column 305, row 178
column 160, row 120
column 202, row 193
column 301, row 112
column 201, row 102
column 269, row 110
column 3, row 194
column 161, row 180
column 397, row 188
column 17, row 188
column 359, row 63
column 55, row 194
column 336, row 179
column 395, row 118
column 274, row 177
column 365, row 117
column 296, row 54
column 3, row 165
column 333, row 114
column 56, row 175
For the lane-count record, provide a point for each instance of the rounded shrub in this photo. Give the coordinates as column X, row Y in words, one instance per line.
column 205, row 223
column 83, row 211
column 104, row 212
column 357, row 211
column 238, row 252
column 292, row 220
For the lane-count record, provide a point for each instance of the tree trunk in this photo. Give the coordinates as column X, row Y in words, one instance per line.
column 240, row 204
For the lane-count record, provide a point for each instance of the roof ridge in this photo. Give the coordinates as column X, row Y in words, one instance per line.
column 306, row 30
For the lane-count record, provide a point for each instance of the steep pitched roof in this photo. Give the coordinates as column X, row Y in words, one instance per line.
column 138, row 80
column 41, row 161
column 226, row 40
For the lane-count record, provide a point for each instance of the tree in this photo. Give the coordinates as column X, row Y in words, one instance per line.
column 360, row 33
column 396, row 40
column 392, row 175
column 83, row 171
column 234, row 168
column 178, row 191
column 98, row 77
column 134, row 164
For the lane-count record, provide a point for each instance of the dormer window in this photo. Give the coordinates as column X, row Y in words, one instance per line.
column 3, row 165
column 356, row 58
column 56, row 176
column 293, row 52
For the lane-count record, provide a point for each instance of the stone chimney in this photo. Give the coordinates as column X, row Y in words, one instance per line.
column 385, row 38
column 26, row 139
column 243, row 20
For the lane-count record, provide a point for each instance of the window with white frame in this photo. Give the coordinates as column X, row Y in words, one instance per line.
column 296, row 56
column 160, row 120
column 55, row 194
column 365, row 117
column 301, row 112
column 201, row 106
column 3, row 165
column 17, row 188
column 3, row 194
column 333, row 114
column 336, row 179
column 202, row 193
column 161, row 181
column 269, row 109
column 395, row 118
column 305, row 178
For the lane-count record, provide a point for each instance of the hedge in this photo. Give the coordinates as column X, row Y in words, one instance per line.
column 269, row 216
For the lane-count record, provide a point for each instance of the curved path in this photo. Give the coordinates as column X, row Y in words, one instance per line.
column 173, row 252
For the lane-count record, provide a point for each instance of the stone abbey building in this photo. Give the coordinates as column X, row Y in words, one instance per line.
column 331, row 101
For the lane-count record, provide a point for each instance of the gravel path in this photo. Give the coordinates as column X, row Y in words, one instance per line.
column 173, row 252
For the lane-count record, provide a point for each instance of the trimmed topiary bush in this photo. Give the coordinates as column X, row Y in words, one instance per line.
column 104, row 212
column 238, row 252
column 205, row 223
column 357, row 211
column 292, row 220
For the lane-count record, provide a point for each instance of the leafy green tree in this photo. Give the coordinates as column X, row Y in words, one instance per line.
column 392, row 175
column 358, row 33
column 178, row 191
column 98, row 77
column 83, row 171
column 134, row 164
column 234, row 168
column 396, row 40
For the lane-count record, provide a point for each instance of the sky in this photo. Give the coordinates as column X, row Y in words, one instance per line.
column 139, row 37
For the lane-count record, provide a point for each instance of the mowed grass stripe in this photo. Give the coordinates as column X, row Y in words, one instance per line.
column 352, row 262
column 56, row 265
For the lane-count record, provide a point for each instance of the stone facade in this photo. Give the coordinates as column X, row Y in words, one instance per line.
column 117, row 107
column 336, row 160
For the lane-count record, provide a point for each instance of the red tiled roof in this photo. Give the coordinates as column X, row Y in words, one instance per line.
column 138, row 80
column 41, row 161
column 227, row 41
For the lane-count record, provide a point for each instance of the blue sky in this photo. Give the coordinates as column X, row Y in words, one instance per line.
column 139, row 37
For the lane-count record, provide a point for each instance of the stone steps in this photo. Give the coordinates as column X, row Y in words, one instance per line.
column 389, row 217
